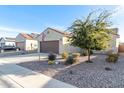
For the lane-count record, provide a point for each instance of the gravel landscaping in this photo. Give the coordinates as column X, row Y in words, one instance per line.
column 83, row 75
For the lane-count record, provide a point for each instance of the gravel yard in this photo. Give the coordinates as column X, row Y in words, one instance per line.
column 83, row 75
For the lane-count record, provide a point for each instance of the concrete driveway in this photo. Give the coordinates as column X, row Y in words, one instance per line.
column 21, row 58
column 12, row 75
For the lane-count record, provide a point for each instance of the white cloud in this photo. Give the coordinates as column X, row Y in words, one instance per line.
column 7, row 29
column 11, row 32
column 5, row 34
column 119, row 11
column 54, row 26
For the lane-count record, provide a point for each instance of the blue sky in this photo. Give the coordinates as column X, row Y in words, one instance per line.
column 16, row 19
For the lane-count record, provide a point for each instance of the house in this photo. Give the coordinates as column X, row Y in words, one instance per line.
column 113, row 43
column 53, row 40
column 7, row 41
column 115, row 39
column 121, row 48
column 34, row 35
column 26, row 42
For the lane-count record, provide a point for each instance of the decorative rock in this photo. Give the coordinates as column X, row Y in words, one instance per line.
column 2, row 50
column 108, row 69
column 99, row 74
column 70, row 72
column 56, row 62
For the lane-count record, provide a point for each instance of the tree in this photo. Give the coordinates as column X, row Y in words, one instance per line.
column 92, row 33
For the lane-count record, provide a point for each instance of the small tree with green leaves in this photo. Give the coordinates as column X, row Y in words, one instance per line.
column 92, row 33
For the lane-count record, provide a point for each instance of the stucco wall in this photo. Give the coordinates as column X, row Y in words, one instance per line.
column 67, row 47
column 50, row 35
column 31, row 44
column 20, row 42
column 19, row 38
column 38, row 50
column 114, row 43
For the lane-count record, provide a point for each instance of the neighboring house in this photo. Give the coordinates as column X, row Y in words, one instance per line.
column 7, row 41
column 121, row 48
column 52, row 40
column 2, row 42
column 114, row 42
column 26, row 42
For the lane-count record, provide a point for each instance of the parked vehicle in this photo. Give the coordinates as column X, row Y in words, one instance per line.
column 9, row 48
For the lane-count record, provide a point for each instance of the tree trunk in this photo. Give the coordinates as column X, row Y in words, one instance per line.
column 88, row 51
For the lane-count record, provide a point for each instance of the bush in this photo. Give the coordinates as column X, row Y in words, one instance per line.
column 69, row 60
column 75, row 60
column 112, row 58
column 72, row 59
column 51, row 57
column 64, row 55
column 76, row 55
column 51, row 62
column 85, row 52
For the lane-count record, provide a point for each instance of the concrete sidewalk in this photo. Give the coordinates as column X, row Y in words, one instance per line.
column 6, row 82
column 26, row 78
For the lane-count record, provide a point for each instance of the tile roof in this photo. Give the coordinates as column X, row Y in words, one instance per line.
column 34, row 35
column 61, row 32
column 27, row 36
column 10, row 39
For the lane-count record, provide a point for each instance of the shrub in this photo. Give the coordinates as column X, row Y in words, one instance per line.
column 51, row 62
column 76, row 55
column 69, row 60
column 51, row 57
column 72, row 59
column 75, row 60
column 64, row 55
column 85, row 53
column 113, row 58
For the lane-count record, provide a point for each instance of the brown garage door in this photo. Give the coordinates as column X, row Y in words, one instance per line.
column 121, row 48
column 49, row 46
column 21, row 45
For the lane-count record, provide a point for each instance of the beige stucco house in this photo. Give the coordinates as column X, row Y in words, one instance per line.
column 26, row 42
column 52, row 40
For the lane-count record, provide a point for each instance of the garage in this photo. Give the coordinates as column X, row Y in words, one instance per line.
column 21, row 45
column 49, row 46
column 121, row 48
